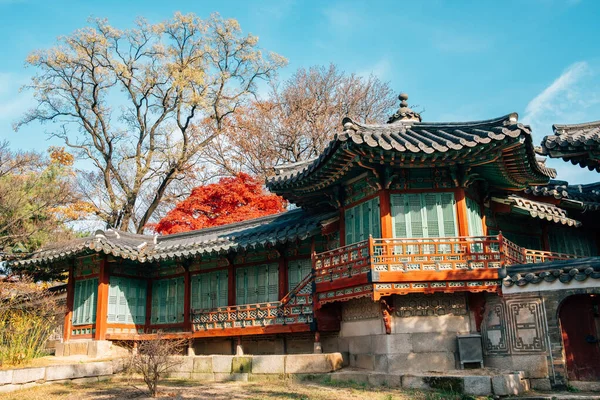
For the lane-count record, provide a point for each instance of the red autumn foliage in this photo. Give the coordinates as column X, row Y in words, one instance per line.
column 230, row 200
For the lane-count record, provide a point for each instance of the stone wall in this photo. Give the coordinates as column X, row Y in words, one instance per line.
column 515, row 336
column 15, row 379
column 255, row 367
column 522, row 331
column 257, row 345
column 423, row 338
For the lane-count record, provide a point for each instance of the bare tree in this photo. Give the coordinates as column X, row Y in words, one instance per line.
column 297, row 119
column 130, row 101
column 154, row 359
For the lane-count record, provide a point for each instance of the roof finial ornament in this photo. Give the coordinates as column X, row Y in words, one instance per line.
column 404, row 113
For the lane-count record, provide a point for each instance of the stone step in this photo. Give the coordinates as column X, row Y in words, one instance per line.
column 498, row 384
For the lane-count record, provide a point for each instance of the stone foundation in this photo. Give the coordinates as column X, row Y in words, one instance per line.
column 15, row 379
column 254, row 367
column 418, row 342
column 90, row 348
column 507, row 384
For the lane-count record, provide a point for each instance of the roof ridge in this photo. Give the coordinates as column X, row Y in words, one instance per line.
column 590, row 124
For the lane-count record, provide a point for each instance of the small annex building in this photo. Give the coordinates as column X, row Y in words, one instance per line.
column 406, row 234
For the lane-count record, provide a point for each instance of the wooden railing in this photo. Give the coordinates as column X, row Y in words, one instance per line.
column 436, row 254
column 295, row 308
column 343, row 262
column 426, row 254
column 519, row 255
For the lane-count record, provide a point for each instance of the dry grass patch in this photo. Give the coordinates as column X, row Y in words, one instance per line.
column 130, row 388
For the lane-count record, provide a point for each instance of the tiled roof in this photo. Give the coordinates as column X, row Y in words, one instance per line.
column 422, row 144
column 565, row 271
column 536, row 209
column 271, row 230
column 578, row 143
column 586, row 197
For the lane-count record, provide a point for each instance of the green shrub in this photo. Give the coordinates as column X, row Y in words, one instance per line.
column 27, row 319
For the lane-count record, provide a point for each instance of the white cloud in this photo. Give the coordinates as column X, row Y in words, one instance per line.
column 571, row 98
column 380, row 69
column 559, row 95
column 13, row 103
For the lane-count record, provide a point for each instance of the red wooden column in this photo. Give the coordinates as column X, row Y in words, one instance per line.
column 102, row 306
column 385, row 211
column 461, row 212
column 545, row 238
column 187, row 300
column 67, row 328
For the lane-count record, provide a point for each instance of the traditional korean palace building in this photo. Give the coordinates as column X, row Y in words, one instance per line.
column 406, row 235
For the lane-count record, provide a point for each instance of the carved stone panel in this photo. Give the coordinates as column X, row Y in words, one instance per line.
column 527, row 328
column 415, row 305
column 358, row 309
column 493, row 329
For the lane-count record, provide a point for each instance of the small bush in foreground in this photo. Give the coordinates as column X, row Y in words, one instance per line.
column 27, row 319
column 153, row 360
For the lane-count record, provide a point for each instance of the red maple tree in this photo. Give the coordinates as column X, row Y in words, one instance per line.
column 230, row 200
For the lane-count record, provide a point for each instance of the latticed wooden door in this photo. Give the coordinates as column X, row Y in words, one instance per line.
column 209, row 290
column 363, row 220
column 126, row 300
column 84, row 302
column 423, row 215
column 297, row 271
column 167, row 301
column 257, row 284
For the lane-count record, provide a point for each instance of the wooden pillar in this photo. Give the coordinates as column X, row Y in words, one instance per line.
column 148, row 304
column 67, row 327
column 385, row 211
column 231, row 283
column 102, row 306
column 187, row 300
column 283, row 274
column 461, row 212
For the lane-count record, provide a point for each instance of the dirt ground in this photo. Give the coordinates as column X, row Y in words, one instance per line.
column 119, row 388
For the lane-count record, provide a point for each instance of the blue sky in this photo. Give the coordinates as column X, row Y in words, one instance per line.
column 458, row 60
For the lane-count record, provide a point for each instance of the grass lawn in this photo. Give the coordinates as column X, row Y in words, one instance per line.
column 125, row 388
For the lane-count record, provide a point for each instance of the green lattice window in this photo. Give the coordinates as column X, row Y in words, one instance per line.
column 84, row 301
column 257, row 284
column 167, row 301
column 298, row 270
column 209, row 290
column 363, row 220
column 423, row 215
column 126, row 300
column 475, row 218
column 572, row 241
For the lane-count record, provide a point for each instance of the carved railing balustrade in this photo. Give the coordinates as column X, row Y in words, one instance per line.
column 380, row 267
column 295, row 308
column 436, row 254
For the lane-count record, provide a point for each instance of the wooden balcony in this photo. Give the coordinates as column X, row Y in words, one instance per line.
column 294, row 313
column 381, row 267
